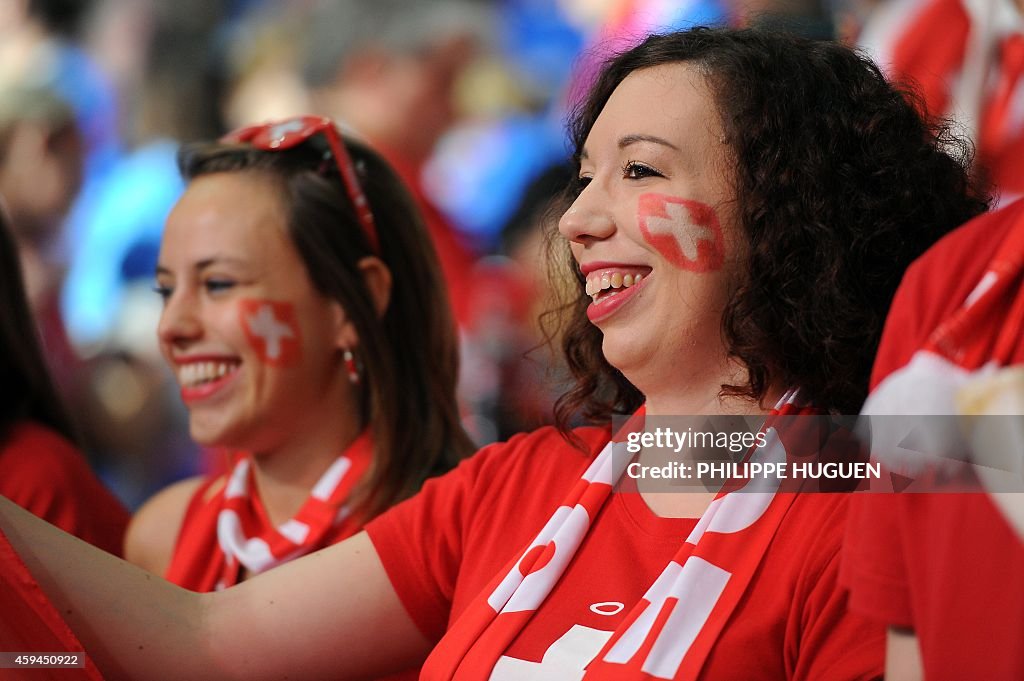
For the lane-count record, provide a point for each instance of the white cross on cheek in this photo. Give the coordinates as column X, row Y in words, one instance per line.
column 265, row 325
column 681, row 226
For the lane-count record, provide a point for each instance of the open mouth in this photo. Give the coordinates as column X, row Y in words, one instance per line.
column 196, row 374
column 612, row 282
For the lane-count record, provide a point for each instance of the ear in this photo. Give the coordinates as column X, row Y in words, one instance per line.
column 377, row 277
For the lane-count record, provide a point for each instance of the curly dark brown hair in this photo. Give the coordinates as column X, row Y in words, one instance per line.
column 839, row 185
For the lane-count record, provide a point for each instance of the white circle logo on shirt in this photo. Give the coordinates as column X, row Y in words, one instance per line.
column 607, row 608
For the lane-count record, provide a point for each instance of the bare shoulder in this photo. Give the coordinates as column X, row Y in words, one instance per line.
column 153, row 530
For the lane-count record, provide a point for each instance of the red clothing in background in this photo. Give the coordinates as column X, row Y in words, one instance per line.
column 457, row 260
column 44, row 473
column 948, row 566
column 29, row 623
column 934, row 44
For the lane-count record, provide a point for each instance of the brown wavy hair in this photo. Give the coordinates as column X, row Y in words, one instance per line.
column 410, row 355
column 839, row 184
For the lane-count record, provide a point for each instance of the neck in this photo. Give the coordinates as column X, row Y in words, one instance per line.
column 701, row 394
column 285, row 474
column 706, row 402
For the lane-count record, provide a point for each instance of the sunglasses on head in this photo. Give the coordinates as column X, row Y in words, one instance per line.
column 291, row 132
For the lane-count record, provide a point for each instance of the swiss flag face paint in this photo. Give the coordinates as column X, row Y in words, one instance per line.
column 686, row 233
column 272, row 330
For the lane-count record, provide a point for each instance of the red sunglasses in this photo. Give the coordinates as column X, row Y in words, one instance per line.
column 291, row 132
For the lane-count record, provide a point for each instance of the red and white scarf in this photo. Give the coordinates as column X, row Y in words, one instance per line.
column 230, row 532
column 966, row 58
column 657, row 640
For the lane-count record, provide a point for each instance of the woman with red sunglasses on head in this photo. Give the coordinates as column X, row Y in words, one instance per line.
column 746, row 203
column 293, row 270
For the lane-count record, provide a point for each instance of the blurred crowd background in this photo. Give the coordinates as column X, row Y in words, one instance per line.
column 465, row 97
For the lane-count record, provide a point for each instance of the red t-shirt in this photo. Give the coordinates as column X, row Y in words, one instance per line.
column 44, row 473
column 948, row 566
column 442, row 548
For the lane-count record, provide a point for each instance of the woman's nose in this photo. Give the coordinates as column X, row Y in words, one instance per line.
column 179, row 321
column 587, row 219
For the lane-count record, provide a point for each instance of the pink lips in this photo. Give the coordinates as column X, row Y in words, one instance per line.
column 196, row 393
column 190, row 395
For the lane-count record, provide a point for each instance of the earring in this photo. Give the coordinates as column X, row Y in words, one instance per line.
column 350, row 366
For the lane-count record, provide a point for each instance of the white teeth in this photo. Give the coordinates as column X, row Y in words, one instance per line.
column 195, row 373
column 596, row 284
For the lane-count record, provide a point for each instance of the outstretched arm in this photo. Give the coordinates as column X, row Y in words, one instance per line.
column 331, row 614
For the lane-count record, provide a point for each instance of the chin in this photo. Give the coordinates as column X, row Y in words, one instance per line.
column 209, row 434
column 623, row 355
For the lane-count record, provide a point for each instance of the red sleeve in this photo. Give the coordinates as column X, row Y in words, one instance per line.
column 873, row 564
column 420, row 541
column 44, row 473
column 825, row 640
column 836, row 643
column 442, row 545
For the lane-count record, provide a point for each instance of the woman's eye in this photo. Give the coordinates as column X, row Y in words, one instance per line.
column 163, row 291
column 218, row 285
column 634, row 170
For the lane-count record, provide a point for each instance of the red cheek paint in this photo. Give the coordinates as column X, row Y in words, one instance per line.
column 272, row 330
column 686, row 233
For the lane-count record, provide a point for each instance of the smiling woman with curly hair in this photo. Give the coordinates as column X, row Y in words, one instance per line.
column 839, row 185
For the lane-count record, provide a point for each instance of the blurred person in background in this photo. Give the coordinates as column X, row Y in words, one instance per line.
column 397, row 74
column 40, row 45
column 40, row 466
column 967, row 59
column 305, row 320
column 389, row 70
column 941, row 564
column 41, row 165
column 523, row 339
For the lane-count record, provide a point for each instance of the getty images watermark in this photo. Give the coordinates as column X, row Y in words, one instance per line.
column 818, row 453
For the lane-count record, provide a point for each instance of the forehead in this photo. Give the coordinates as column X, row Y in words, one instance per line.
column 670, row 101
column 241, row 214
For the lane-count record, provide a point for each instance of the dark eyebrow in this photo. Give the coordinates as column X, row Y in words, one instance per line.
column 206, row 262
column 631, row 139
column 627, row 140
